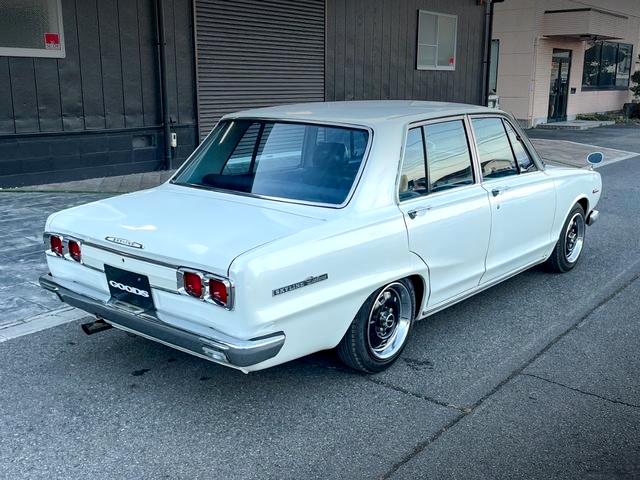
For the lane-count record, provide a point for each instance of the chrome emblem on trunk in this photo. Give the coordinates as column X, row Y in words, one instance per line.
column 123, row 241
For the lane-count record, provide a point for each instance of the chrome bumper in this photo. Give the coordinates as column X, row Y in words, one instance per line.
column 218, row 347
column 592, row 217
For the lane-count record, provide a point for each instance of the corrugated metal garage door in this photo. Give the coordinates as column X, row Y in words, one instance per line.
column 254, row 53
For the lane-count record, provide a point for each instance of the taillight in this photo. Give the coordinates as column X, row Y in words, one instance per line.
column 207, row 287
column 74, row 250
column 56, row 245
column 218, row 292
column 192, row 283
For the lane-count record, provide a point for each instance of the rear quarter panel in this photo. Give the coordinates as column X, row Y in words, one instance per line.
column 358, row 253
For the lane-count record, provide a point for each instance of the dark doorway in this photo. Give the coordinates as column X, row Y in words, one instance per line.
column 559, row 87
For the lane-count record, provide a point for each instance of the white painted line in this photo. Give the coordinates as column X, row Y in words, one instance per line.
column 616, row 160
column 593, row 147
column 42, row 322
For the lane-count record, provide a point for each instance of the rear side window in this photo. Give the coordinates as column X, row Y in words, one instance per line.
column 413, row 177
column 436, row 158
column 448, row 157
column 494, row 149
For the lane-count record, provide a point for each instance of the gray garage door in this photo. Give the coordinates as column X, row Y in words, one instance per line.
column 254, row 53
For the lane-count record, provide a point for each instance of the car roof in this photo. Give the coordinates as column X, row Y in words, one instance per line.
column 369, row 112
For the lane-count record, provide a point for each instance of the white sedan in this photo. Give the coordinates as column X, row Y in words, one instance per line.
column 307, row 227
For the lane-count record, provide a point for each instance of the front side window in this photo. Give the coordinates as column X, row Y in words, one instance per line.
column 494, row 149
column 607, row 65
column 31, row 28
column 525, row 162
column 290, row 161
column 436, row 41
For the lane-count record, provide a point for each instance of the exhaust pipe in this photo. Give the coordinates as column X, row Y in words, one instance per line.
column 99, row 325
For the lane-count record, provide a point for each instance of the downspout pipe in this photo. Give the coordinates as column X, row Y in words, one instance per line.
column 162, row 53
column 486, row 67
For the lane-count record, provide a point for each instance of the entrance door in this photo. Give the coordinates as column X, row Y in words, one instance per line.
column 559, row 87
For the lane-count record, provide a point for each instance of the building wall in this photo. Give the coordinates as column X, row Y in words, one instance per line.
column 371, row 51
column 98, row 111
column 524, row 65
column 253, row 53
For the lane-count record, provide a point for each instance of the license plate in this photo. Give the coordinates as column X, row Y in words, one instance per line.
column 129, row 287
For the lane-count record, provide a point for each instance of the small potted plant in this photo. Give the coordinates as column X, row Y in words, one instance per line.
column 633, row 109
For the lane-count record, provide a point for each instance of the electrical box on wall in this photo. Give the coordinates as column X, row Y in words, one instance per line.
column 174, row 140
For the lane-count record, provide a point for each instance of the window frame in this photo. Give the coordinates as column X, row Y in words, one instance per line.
column 40, row 52
column 450, row 68
column 598, row 86
column 472, row 157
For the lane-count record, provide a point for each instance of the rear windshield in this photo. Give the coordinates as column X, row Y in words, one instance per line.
column 291, row 161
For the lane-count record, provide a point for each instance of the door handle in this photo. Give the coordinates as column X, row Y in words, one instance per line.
column 417, row 212
column 498, row 190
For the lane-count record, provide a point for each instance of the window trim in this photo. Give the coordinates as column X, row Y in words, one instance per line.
column 40, row 52
column 595, row 88
column 449, row 68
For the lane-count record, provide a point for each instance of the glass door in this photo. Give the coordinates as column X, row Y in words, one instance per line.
column 559, row 86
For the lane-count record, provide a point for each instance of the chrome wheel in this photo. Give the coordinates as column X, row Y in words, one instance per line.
column 574, row 237
column 389, row 321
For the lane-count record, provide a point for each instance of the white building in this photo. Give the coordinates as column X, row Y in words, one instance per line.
column 561, row 58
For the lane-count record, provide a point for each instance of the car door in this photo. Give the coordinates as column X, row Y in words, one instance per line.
column 522, row 198
column 446, row 210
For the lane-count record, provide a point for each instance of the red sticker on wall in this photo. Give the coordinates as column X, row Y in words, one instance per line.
column 52, row 41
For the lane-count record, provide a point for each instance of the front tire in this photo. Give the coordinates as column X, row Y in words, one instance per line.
column 381, row 328
column 569, row 247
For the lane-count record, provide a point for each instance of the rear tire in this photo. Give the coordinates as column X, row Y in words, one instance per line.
column 569, row 246
column 381, row 328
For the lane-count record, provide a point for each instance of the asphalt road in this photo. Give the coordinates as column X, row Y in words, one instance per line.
column 534, row 378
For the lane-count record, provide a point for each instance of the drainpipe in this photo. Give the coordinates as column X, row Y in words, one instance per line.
column 162, row 54
column 486, row 67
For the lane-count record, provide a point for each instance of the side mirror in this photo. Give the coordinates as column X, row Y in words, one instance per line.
column 595, row 158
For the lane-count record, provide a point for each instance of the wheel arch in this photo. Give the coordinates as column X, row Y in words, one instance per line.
column 419, row 287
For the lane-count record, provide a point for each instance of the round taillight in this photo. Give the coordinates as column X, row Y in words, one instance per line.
column 56, row 245
column 74, row 250
column 192, row 283
column 218, row 292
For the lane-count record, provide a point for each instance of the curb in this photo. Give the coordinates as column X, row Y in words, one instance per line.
column 41, row 322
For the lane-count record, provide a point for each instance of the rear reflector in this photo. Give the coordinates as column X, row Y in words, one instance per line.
column 192, row 284
column 56, row 245
column 218, row 292
column 74, row 250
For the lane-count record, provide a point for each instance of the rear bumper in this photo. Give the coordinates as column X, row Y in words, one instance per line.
column 217, row 347
column 593, row 217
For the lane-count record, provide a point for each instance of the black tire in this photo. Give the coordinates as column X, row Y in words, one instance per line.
column 569, row 246
column 381, row 328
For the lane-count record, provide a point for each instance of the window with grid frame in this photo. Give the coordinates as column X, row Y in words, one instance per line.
column 437, row 34
column 607, row 66
column 31, row 28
